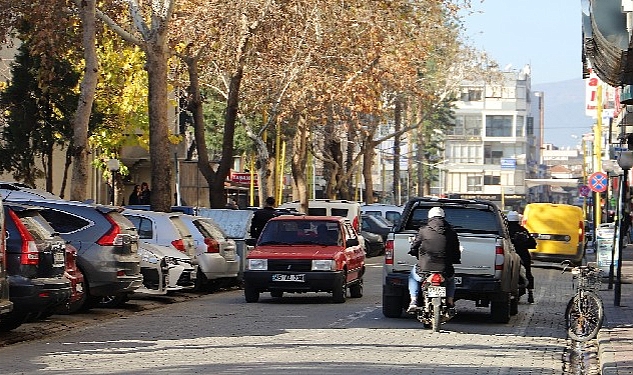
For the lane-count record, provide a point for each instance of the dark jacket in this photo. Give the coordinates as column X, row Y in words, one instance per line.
column 260, row 218
column 522, row 241
column 437, row 247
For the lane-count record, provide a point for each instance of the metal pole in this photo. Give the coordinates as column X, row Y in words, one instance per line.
column 618, row 282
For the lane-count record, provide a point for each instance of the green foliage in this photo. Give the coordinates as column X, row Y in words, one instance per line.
column 214, row 109
column 39, row 113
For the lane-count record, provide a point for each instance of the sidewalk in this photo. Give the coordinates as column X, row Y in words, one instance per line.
column 615, row 339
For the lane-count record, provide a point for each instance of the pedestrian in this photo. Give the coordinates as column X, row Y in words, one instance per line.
column 261, row 217
column 144, row 197
column 522, row 241
column 437, row 248
column 135, row 196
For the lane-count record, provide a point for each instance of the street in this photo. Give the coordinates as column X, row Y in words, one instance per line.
column 300, row 334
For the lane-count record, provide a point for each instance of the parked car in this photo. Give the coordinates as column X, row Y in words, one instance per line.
column 374, row 244
column 299, row 254
column 329, row 207
column 13, row 190
column 388, row 211
column 216, row 254
column 165, row 270
column 163, row 228
column 6, row 306
column 77, row 283
column 36, row 262
column 374, row 224
column 106, row 243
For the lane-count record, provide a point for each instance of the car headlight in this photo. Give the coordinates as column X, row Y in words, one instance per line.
column 257, row 264
column 323, row 265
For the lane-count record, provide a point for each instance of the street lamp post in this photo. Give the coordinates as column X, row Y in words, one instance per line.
column 626, row 163
column 113, row 166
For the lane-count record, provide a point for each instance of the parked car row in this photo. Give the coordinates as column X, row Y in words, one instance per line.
column 62, row 257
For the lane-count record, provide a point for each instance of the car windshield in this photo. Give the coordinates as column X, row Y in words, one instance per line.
column 466, row 220
column 300, row 232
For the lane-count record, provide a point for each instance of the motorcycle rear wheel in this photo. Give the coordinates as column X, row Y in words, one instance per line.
column 435, row 323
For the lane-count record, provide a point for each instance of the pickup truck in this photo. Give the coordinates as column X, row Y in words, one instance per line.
column 299, row 254
column 489, row 272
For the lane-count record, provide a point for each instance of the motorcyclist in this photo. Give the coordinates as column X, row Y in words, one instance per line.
column 437, row 248
column 522, row 241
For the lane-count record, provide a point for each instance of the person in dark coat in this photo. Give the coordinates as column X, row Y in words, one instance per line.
column 437, row 248
column 135, row 196
column 261, row 217
column 522, row 241
column 144, row 197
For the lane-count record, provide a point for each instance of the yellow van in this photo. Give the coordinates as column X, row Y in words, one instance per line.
column 558, row 229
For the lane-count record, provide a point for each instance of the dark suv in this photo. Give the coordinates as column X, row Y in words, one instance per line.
column 106, row 243
column 36, row 261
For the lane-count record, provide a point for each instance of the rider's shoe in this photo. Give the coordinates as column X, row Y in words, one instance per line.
column 451, row 312
column 530, row 297
column 412, row 307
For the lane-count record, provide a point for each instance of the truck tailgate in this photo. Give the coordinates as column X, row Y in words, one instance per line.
column 478, row 254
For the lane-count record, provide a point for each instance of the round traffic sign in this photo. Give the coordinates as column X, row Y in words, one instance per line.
column 598, row 182
column 584, row 190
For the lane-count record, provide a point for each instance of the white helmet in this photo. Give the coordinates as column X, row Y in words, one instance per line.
column 436, row 212
column 513, row 216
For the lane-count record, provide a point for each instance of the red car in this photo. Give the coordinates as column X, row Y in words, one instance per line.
column 299, row 254
column 76, row 278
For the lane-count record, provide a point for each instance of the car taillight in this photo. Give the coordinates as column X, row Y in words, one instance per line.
column 179, row 245
column 436, row 279
column 356, row 224
column 389, row 252
column 581, row 232
column 113, row 236
column 71, row 258
column 29, row 252
column 212, row 245
column 499, row 257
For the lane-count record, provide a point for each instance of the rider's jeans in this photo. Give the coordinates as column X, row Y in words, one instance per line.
column 415, row 279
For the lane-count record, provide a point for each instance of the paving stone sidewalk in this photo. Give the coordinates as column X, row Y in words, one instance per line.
column 615, row 340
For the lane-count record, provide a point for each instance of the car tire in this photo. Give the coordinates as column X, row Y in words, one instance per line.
column 392, row 306
column 339, row 292
column 251, row 294
column 514, row 305
column 356, row 289
column 11, row 321
column 500, row 308
column 202, row 283
column 277, row 293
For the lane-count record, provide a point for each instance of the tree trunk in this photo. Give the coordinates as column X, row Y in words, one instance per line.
column 368, row 161
column 397, row 123
column 80, row 150
column 299, row 162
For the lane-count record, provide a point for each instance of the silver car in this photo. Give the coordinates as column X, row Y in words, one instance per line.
column 165, row 270
column 216, row 255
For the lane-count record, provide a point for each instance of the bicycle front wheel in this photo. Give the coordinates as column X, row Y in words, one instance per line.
column 584, row 316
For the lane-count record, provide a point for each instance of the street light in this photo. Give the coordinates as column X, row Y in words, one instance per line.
column 626, row 162
column 113, row 166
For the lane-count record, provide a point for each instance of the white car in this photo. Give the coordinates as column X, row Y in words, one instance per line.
column 165, row 270
column 215, row 254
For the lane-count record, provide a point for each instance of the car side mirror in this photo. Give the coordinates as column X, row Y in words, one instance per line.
column 352, row 242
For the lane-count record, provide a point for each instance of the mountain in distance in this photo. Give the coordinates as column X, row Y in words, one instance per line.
column 565, row 119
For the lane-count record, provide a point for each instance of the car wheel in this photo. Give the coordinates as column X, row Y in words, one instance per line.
column 391, row 306
column 356, row 289
column 514, row 305
column 339, row 293
column 11, row 321
column 276, row 293
column 251, row 294
column 500, row 308
column 202, row 283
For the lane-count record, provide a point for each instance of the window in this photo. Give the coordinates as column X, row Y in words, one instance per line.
column 492, row 156
column 499, row 126
column 519, row 131
column 64, row 222
column 143, row 226
column 530, row 126
column 467, row 125
column 492, row 180
column 471, row 94
column 473, row 184
column 465, row 153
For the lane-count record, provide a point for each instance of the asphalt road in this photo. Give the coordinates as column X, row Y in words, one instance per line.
column 301, row 334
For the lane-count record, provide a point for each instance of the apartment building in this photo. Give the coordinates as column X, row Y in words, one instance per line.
column 496, row 142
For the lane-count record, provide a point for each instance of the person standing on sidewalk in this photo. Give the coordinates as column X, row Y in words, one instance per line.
column 522, row 241
column 261, row 217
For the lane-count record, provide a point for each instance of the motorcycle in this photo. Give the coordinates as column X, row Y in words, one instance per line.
column 432, row 309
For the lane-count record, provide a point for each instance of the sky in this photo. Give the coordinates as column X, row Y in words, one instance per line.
column 543, row 33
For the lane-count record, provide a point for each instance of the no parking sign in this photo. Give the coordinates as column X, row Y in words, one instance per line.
column 598, row 182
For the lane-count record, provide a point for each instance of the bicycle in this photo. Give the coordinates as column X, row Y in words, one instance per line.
column 584, row 314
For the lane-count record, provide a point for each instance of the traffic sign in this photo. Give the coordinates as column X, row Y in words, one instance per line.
column 598, row 182
column 584, row 190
